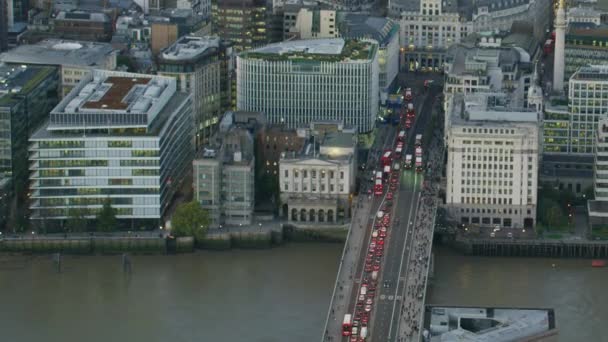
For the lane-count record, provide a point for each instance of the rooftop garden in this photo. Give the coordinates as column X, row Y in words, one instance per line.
column 353, row 49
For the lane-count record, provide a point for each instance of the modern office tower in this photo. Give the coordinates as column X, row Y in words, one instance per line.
column 202, row 66
column 27, row 95
column 317, row 182
column 75, row 59
column 492, row 168
column 598, row 208
column 4, row 19
column 302, row 81
column 119, row 136
column 242, row 22
column 224, row 176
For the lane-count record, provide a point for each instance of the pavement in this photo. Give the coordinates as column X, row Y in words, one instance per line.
column 419, row 256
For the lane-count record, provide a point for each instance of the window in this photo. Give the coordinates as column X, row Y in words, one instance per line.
column 331, row 174
column 286, row 173
column 313, row 174
column 341, row 175
column 341, row 187
column 304, row 174
column 296, row 173
column 286, row 187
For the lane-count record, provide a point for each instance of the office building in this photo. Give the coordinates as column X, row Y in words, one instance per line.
column 119, row 136
column 386, row 33
column 580, row 14
column 75, row 59
column 598, row 208
column 493, row 157
column 80, row 25
column 311, row 80
column 304, row 20
column 473, row 69
column 4, row 24
column 202, row 66
column 242, row 22
column 586, row 43
column 317, row 183
column 27, row 95
column 429, row 27
column 224, row 175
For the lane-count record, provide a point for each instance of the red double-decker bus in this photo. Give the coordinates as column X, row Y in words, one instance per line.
column 347, row 325
column 387, row 158
column 548, row 47
column 378, row 187
column 408, row 94
column 410, row 110
column 401, row 136
column 398, row 150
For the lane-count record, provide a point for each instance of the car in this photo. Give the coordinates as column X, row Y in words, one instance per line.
column 389, row 196
column 383, row 233
column 492, row 234
column 380, row 247
column 379, row 252
column 373, row 241
column 386, row 284
column 394, row 180
column 368, row 308
column 369, row 301
column 364, row 318
column 354, row 338
column 359, row 304
column 376, row 267
column 510, row 235
column 381, row 241
column 393, row 187
column 368, row 268
column 389, row 203
column 361, row 297
column 372, row 245
column 374, row 233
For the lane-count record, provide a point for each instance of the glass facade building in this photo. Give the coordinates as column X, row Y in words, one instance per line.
column 299, row 82
column 118, row 136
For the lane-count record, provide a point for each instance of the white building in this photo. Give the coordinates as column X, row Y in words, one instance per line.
column 311, row 80
column 316, row 185
column 75, row 59
column 492, row 168
column 598, row 208
column 429, row 27
column 383, row 30
column 122, row 136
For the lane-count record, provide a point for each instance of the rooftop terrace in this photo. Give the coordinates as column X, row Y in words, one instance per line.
column 331, row 50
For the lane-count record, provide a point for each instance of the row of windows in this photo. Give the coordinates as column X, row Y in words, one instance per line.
column 313, row 187
column 494, row 200
column 313, row 174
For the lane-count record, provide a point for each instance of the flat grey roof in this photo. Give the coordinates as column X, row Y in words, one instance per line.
column 189, row 47
column 338, row 139
column 332, row 46
column 59, row 52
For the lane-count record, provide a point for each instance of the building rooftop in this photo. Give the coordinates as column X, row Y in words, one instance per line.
column 357, row 26
column 60, row 52
column 338, row 139
column 113, row 99
column 586, row 30
column 334, row 49
column 481, row 108
column 190, row 48
column 476, row 61
column 21, row 79
column 82, row 16
column 583, row 11
column 591, row 73
column 489, row 324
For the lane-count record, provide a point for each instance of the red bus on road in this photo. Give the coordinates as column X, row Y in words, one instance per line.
column 398, row 150
column 347, row 325
column 418, row 151
column 408, row 161
column 548, row 47
column 378, row 188
column 408, row 94
column 410, row 110
column 387, row 158
column 418, row 140
column 401, row 136
column 418, row 164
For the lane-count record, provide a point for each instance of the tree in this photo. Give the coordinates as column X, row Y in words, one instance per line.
column 554, row 216
column 77, row 222
column 106, row 219
column 189, row 219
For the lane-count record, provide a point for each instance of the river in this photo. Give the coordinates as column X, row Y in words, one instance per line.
column 240, row 295
column 573, row 288
column 262, row 296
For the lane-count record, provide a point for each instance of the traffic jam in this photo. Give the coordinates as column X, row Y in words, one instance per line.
column 386, row 183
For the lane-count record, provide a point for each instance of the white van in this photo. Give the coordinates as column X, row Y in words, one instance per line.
column 380, row 214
